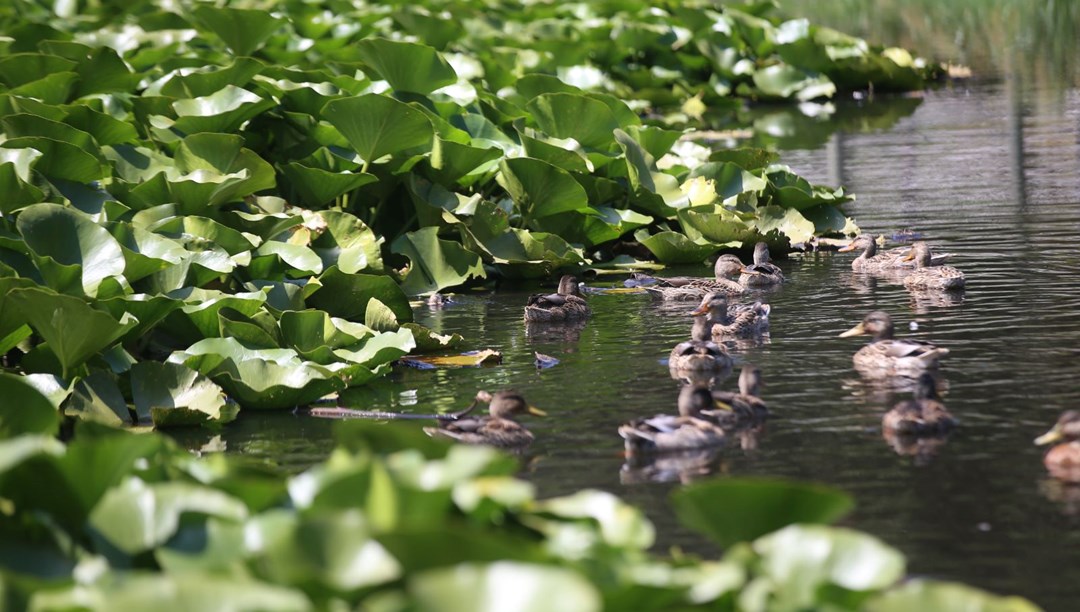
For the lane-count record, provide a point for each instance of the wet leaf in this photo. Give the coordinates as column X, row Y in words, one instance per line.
column 470, row 359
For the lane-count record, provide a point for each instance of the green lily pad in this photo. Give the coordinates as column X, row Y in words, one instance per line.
column 482, row 588
column 675, row 248
column 921, row 594
column 730, row 511
column 223, row 111
column 242, row 30
column 74, row 330
column 436, row 264
column 376, row 125
column 24, row 409
column 540, row 189
column 800, row 561
column 347, row 295
column 568, row 115
column 15, row 181
column 73, row 253
column 174, row 395
column 407, row 66
column 317, row 187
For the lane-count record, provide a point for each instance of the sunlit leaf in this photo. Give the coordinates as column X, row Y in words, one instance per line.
column 376, row 125
column 407, row 66
column 174, row 395
column 436, row 263
column 24, row 409
column 483, row 588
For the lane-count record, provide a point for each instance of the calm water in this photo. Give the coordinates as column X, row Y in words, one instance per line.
column 984, row 171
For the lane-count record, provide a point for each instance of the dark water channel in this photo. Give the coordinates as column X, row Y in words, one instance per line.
column 985, row 171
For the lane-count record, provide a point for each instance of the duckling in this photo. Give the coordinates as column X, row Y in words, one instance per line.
column 674, row 433
column 1063, row 460
column 923, row 415
column 888, row 356
column 926, row 277
column 872, row 261
column 699, row 352
column 747, row 407
column 762, row 273
column 565, row 305
column 740, row 321
column 496, row 429
column 680, row 288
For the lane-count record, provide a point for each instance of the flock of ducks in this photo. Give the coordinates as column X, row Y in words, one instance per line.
column 707, row 417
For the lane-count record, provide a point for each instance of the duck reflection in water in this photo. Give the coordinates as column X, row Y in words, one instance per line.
column 919, row 427
column 923, row 301
column 555, row 331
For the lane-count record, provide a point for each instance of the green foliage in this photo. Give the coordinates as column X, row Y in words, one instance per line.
column 395, row 519
column 225, row 188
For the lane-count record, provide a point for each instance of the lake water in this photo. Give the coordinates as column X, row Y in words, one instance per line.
column 986, row 171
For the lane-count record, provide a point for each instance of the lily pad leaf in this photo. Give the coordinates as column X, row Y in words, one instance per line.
column 436, row 263
column 482, row 588
column 788, row 222
column 801, row 560
column 223, row 111
column 137, row 516
column 920, row 594
column 675, row 248
column 407, row 66
column 97, row 398
column 74, row 330
column 316, row 186
column 176, row 592
column 730, row 511
column 348, row 243
column 428, row 340
column 347, row 295
column 15, row 180
column 569, row 115
column 376, row 125
column 242, row 30
column 172, row 394
column 540, row 189
column 61, row 159
column 265, row 379
column 24, row 409
column 784, row 81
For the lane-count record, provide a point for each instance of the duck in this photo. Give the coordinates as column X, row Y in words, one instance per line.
column 497, row 428
column 746, row 405
column 686, row 431
column 923, row 415
column 699, row 353
column 889, row 356
column 893, row 259
column 685, row 288
column 925, row 276
column 740, row 321
column 1063, row 460
column 762, row 273
column 565, row 305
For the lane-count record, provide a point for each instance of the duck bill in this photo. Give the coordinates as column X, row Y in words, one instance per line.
column 850, row 247
column 723, row 406
column 910, row 256
column 858, row 330
column 533, row 410
column 700, row 310
column 1049, row 437
column 746, row 270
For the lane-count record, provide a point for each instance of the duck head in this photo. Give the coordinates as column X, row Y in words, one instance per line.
column 694, row 399
column 750, row 381
column 1067, row 429
column 867, row 242
column 877, row 324
column 507, row 404
column 920, row 252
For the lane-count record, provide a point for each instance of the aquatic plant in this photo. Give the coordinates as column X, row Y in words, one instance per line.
column 393, row 520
